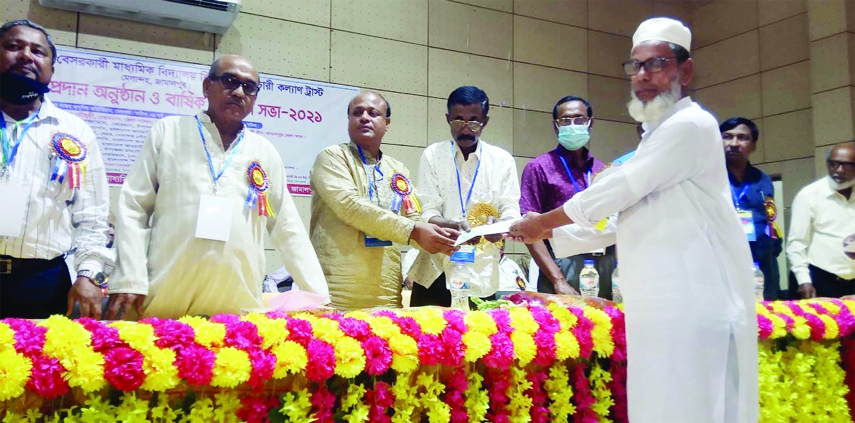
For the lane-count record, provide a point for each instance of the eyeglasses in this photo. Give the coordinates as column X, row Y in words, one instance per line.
column 652, row 65
column 473, row 125
column 231, row 83
column 834, row 164
column 567, row 121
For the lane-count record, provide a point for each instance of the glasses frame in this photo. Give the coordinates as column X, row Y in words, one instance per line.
column 834, row 164
column 587, row 120
column 647, row 65
column 231, row 86
column 473, row 125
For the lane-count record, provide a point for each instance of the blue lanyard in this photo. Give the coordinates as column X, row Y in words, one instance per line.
column 368, row 177
column 570, row 175
column 737, row 197
column 214, row 174
column 10, row 151
column 474, row 178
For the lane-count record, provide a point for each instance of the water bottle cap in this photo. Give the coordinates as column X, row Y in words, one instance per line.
column 589, row 262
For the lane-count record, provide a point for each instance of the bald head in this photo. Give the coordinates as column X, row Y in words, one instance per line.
column 231, row 89
column 365, row 95
column 232, row 60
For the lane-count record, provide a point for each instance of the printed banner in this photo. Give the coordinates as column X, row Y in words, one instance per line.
column 121, row 96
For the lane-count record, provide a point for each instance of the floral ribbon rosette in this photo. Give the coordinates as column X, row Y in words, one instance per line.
column 771, row 216
column 479, row 215
column 258, row 187
column 404, row 199
column 70, row 159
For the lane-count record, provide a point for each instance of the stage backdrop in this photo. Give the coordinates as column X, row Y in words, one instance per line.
column 121, row 96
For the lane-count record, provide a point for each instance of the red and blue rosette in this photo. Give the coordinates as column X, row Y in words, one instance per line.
column 258, row 186
column 404, row 197
column 70, row 159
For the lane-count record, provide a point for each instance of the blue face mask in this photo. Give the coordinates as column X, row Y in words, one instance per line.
column 573, row 137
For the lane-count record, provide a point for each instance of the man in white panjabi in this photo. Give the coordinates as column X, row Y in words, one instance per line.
column 195, row 206
column 691, row 326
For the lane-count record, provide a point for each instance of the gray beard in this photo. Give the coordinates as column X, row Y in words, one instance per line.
column 841, row 186
column 657, row 108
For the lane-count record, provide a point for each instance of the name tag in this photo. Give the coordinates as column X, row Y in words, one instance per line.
column 215, row 218
column 13, row 211
column 371, row 242
column 746, row 220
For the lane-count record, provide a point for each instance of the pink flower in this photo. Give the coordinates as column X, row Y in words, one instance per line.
column 503, row 320
column 255, row 409
column 583, row 396
column 430, row 349
column 539, row 412
column 104, row 338
column 454, row 319
column 195, row 364
column 355, row 328
column 299, row 331
column 321, row 363
column 455, row 395
column 324, row 401
column 545, row 341
column 47, row 380
column 582, row 331
column 618, row 388
column 263, row 364
column 817, row 326
column 452, row 346
column 123, row 368
column 171, row 333
column 241, row 334
column 501, row 354
column 378, row 355
column 29, row 338
column 497, row 384
column 380, row 399
column 408, row 325
column 764, row 326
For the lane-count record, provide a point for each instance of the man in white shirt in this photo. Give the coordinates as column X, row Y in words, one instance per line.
column 195, row 206
column 691, row 325
column 823, row 219
column 53, row 186
column 460, row 181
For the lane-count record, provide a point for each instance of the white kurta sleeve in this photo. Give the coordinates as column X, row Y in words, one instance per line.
column 509, row 191
column 671, row 155
column 90, row 212
column 798, row 240
column 572, row 240
column 136, row 205
column 428, row 189
column 289, row 236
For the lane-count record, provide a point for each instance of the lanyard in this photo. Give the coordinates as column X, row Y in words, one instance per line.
column 737, row 197
column 216, row 175
column 474, row 178
column 570, row 175
column 371, row 181
column 9, row 150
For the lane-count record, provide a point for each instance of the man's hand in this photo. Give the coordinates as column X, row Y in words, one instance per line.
column 494, row 238
column 408, row 283
column 529, row 230
column 563, row 287
column 806, row 290
column 120, row 304
column 88, row 295
column 434, row 239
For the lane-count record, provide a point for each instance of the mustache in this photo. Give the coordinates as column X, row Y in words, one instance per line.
column 464, row 137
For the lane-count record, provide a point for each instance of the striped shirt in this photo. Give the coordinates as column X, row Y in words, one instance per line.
column 57, row 217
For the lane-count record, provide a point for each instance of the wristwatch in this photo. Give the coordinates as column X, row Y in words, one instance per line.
column 96, row 278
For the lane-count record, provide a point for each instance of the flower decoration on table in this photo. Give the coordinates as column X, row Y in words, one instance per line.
column 552, row 361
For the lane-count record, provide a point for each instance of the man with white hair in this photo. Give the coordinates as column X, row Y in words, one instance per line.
column 691, row 326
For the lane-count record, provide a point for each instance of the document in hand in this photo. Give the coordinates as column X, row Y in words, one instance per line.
column 496, row 228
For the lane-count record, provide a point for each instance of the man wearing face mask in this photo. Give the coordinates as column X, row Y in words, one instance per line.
column 53, row 187
column 195, row 207
column 551, row 179
column 821, row 245
column 464, row 182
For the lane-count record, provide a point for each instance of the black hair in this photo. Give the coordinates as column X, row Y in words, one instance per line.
column 28, row 23
column 568, row 99
column 388, row 106
column 736, row 121
column 469, row 95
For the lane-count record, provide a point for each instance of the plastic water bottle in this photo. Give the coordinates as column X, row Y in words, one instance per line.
column 759, row 282
column 589, row 280
column 616, row 295
column 457, row 279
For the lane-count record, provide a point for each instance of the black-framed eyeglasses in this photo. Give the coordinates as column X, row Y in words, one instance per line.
column 651, row 65
column 834, row 164
column 473, row 125
column 567, row 121
column 231, row 83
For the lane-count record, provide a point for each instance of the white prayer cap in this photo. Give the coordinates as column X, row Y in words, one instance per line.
column 663, row 29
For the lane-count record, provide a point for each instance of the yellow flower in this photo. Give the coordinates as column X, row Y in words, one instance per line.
column 327, row 330
column 524, row 347
column 383, row 327
column 519, row 404
column 560, row 392
column 227, row 403
column 522, row 321
column 354, row 395
column 14, row 374
column 405, row 354
column 161, row 374
column 85, row 369
column 477, row 399
column 231, row 368
column 71, row 344
column 273, row 331
column 832, row 331
column 162, row 412
column 349, row 357
column 565, row 317
column 208, row 334
column 290, row 358
column 566, row 345
column 477, row 345
column 296, row 406
column 481, row 322
column 132, row 409
column 779, row 326
column 202, row 411
column 599, row 381
column 430, row 319
column 7, row 337
column 601, row 334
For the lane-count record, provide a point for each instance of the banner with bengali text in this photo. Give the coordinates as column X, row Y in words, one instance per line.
column 121, row 96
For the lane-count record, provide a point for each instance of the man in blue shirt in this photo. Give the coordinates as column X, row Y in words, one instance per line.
column 753, row 197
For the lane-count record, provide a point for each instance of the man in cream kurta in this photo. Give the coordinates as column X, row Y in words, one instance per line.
column 354, row 228
column 691, row 325
column 160, row 256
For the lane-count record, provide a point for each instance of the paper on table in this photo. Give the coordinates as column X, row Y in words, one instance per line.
column 496, row 228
